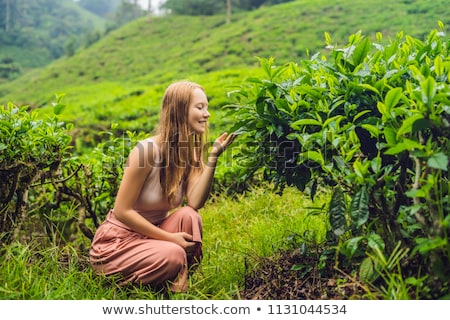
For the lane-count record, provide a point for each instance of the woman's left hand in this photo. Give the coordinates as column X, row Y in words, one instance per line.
column 222, row 143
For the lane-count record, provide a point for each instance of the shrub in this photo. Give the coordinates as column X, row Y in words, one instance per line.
column 371, row 122
column 47, row 190
column 32, row 150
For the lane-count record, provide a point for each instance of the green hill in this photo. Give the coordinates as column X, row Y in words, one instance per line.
column 121, row 77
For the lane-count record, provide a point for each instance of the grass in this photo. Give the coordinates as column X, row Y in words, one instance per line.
column 236, row 230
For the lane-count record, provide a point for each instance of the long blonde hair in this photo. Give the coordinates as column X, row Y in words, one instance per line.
column 181, row 149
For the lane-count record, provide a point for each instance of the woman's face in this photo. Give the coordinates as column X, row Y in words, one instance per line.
column 198, row 111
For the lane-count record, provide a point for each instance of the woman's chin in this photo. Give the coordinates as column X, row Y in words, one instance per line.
column 199, row 130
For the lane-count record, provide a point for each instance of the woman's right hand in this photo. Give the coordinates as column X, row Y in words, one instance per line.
column 184, row 240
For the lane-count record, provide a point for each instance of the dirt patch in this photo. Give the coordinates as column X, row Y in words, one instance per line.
column 292, row 275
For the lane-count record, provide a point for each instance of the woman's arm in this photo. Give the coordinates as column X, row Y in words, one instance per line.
column 139, row 165
column 199, row 185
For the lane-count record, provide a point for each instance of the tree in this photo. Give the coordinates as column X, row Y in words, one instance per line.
column 255, row 4
column 149, row 10
column 228, row 5
column 41, row 28
column 8, row 13
column 194, row 7
column 136, row 8
column 211, row 7
column 127, row 11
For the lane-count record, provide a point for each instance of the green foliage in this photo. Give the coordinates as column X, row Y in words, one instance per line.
column 49, row 190
column 394, row 285
column 125, row 12
column 87, row 187
column 374, row 124
column 96, row 186
column 194, row 7
column 8, row 69
column 337, row 212
column 213, row 7
column 34, row 32
column 32, row 150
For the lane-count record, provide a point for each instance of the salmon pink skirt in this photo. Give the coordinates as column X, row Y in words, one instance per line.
column 117, row 250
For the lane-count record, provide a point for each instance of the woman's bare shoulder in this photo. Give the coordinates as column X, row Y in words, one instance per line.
column 145, row 153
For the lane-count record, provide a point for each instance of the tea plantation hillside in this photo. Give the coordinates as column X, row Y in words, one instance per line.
column 121, row 78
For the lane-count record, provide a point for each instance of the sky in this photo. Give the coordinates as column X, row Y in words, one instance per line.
column 144, row 4
column 155, row 4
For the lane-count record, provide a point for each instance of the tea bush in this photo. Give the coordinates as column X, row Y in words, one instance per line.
column 32, row 150
column 48, row 191
column 371, row 122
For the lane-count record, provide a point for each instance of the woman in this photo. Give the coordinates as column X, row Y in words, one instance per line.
column 149, row 237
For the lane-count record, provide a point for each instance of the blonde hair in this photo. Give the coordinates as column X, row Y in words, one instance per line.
column 181, row 149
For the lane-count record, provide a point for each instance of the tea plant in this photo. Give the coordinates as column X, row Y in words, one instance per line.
column 47, row 190
column 371, row 122
column 32, row 150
